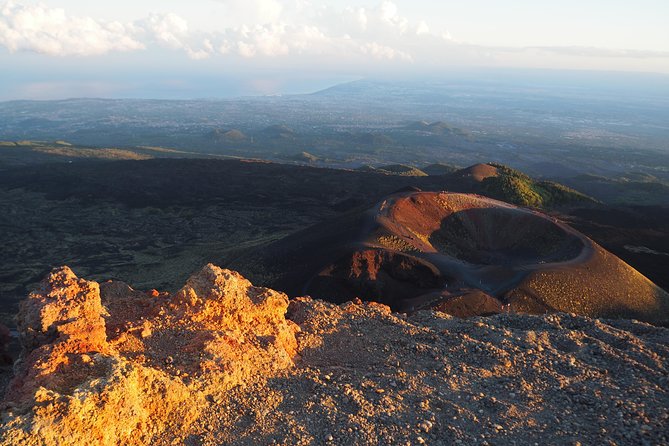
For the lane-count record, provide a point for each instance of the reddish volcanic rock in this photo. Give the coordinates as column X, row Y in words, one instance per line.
column 94, row 374
column 58, row 323
column 478, row 172
column 414, row 245
column 64, row 309
column 527, row 260
column 376, row 275
column 467, row 304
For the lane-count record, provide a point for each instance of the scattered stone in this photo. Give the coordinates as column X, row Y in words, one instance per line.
column 425, row 426
column 238, row 374
column 146, row 330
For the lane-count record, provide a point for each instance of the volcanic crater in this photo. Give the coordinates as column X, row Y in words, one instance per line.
column 463, row 254
column 479, row 231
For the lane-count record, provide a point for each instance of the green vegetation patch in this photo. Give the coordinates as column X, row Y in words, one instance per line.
column 515, row 187
column 401, row 169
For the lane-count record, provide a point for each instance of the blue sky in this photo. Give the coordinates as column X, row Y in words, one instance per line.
column 63, row 48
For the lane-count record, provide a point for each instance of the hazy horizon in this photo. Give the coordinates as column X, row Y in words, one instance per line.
column 56, row 49
column 231, row 87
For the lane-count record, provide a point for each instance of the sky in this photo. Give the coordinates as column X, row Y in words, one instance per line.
column 216, row 48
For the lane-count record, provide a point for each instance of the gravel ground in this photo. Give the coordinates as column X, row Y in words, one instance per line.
column 218, row 363
column 370, row 377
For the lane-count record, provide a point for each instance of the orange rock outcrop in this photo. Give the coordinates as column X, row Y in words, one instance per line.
column 108, row 365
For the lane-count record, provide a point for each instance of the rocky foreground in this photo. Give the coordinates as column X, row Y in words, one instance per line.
column 224, row 362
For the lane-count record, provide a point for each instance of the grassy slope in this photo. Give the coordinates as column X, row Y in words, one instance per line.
column 515, row 187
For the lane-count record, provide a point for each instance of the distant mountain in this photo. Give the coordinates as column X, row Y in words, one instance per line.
column 438, row 169
column 478, row 172
column 279, row 131
column 373, row 139
column 632, row 188
column 304, row 157
column 437, row 128
column 400, row 169
column 18, row 153
column 227, row 135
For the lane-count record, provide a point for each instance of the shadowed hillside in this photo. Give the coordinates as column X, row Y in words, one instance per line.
column 152, row 222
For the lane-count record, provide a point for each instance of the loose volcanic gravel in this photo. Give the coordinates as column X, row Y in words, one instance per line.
column 367, row 377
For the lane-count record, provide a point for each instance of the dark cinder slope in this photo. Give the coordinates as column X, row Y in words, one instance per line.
column 152, row 222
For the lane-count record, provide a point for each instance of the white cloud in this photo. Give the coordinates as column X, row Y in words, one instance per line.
column 356, row 17
column 377, row 32
column 199, row 54
column 378, row 51
column 388, row 13
column 52, row 32
column 253, row 11
column 380, row 23
column 272, row 29
column 172, row 31
column 270, row 40
column 167, row 29
column 422, row 28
